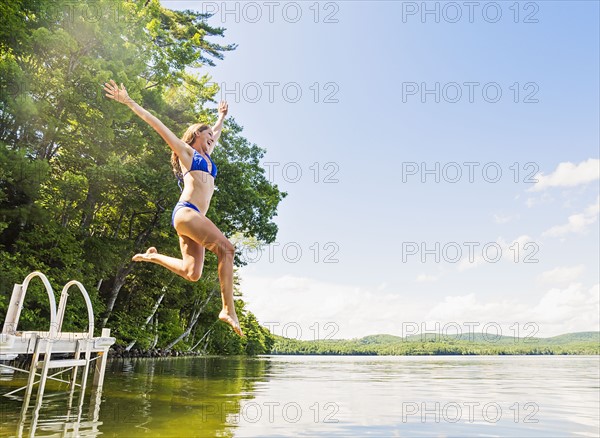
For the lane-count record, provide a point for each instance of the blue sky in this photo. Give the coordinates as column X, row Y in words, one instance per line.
column 372, row 133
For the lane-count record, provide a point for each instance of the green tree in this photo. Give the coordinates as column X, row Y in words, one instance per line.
column 85, row 184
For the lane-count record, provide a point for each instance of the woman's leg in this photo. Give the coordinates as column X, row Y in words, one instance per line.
column 188, row 267
column 204, row 232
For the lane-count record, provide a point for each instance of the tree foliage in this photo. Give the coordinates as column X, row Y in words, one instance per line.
column 586, row 343
column 85, row 184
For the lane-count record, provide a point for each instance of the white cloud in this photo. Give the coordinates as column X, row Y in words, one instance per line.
column 488, row 252
column 290, row 305
column 559, row 311
column 423, row 278
column 467, row 308
column 561, row 275
column 568, row 174
column 382, row 286
column 545, row 198
column 594, row 208
column 576, row 223
column 572, row 309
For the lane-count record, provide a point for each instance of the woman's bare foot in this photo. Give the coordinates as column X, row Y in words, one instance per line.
column 144, row 257
column 231, row 319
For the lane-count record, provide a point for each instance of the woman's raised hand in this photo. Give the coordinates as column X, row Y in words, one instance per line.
column 114, row 92
column 223, row 108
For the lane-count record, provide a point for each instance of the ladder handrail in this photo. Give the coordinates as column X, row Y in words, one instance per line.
column 7, row 324
column 43, row 345
column 63, row 305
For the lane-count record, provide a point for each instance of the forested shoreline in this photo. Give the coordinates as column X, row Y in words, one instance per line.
column 85, row 184
column 475, row 344
column 584, row 343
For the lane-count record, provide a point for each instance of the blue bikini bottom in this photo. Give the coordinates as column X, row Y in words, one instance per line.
column 179, row 206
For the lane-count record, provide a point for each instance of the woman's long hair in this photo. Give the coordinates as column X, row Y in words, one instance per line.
column 188, row 138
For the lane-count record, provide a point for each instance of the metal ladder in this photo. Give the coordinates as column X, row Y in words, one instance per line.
column 13, row 343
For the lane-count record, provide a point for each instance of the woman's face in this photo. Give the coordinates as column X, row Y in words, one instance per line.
column 205, row 139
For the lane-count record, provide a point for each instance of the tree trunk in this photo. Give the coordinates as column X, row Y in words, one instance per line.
column 88, row 213
column 154, row 309
column 123, row 272
column 193, row 321
column 201, row 339
column 126, row 268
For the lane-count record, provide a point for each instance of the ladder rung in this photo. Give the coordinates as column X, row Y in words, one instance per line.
column 63, row 363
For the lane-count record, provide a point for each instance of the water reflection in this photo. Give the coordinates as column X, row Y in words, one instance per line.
column 327, row 396
column 185, row 396
column 181, row 396
column 60, row 414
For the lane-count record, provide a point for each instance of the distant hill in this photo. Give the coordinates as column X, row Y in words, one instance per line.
column 436, row 344
column 575, row 337
column 480, row 337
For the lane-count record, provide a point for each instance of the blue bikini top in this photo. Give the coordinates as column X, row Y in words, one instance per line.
column 199, row 163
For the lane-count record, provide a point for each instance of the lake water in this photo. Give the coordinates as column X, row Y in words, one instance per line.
column 268, row 396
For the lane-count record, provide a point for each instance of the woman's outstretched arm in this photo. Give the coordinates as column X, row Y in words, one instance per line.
column 178, row 146
column 218, row 127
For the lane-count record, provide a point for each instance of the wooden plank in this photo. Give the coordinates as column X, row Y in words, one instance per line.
column 64, row 363
column 26, row 345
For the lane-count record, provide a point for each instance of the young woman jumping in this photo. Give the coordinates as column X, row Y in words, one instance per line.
column 191, row 162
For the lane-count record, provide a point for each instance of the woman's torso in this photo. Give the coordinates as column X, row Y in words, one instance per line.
column 199, row 185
